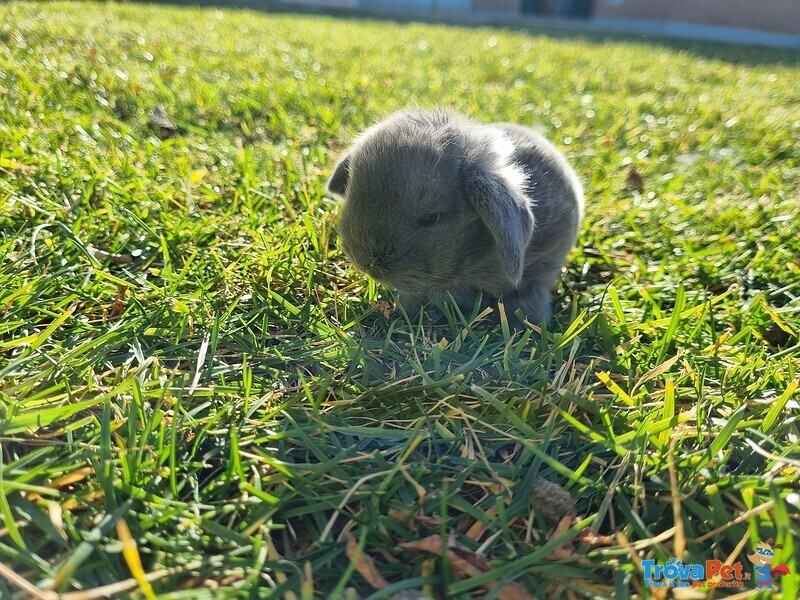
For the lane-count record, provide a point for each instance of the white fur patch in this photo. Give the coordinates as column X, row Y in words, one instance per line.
column 503, row 148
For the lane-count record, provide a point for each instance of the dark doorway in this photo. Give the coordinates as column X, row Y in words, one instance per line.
column 579, row 9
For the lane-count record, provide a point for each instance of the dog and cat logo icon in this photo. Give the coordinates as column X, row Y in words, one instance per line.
column 715, row 574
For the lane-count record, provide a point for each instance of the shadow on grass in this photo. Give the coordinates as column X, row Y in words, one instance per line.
column 557, row 30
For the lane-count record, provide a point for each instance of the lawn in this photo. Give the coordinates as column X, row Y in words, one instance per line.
column 200, row 398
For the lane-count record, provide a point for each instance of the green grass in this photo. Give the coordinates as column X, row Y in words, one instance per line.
column 234, row 396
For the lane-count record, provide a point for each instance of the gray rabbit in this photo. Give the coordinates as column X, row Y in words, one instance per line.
column 437, row 205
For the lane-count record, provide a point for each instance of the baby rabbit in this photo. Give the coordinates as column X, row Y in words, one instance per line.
column 437, row 205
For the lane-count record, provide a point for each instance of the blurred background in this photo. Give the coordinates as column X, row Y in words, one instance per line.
column 775, row 23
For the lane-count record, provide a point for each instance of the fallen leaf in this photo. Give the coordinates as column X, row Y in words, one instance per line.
column 119, row 306
column 461, row 567
column 567, row 550
column 432, row 544
column 513, row 591
column 476, row 561
column 414, row 521
column 365, row 565
column 464, row 564
column 425, row 521
column 587, row 536
column 399, row 515
column 635, row 178
column 385, row 308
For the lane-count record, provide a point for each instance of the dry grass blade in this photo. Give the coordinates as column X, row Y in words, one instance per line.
column 478, row 528
column 655, row 372
column 679, row 546
column 26, row 586
column 134, row 561
column 70, row 478
column 741, row 518
column 120, row 587
column 201, row 361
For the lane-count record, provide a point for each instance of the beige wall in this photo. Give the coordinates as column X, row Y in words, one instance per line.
column 767, row 15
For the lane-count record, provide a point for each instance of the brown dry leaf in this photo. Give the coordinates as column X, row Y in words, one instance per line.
column 465, row 564
column 414, row 521
column 476, row 560
column 425, row 521
column 399, row 515
column 385, row 308
column 365, row 565
column 567, row 550
column 563, row 553
column 119, row 306
column 563, row 526
column 432, row 544
column 461, row 567
column 635, row 178
column 513, row 591
column 587, row 536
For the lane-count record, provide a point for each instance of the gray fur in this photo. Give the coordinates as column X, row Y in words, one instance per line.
column 509, row 203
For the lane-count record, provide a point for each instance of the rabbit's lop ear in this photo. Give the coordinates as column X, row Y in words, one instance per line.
column 338, row 182
column 494, row 191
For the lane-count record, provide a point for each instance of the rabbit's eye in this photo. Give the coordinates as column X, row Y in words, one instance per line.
column 428, row 220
